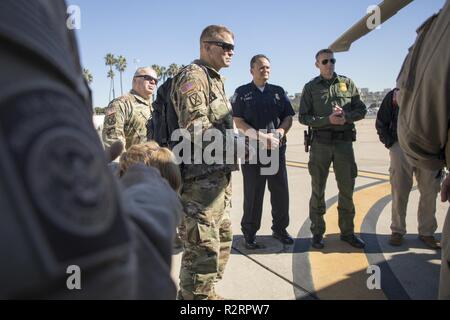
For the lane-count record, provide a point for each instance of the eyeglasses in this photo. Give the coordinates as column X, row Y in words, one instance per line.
column 148, row 78
column 325, row 62
column 225, row 46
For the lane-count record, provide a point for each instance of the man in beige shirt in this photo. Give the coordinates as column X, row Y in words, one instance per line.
column 127, row 116
column 423, row 124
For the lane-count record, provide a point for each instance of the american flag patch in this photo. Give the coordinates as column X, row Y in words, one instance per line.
column 187, row 87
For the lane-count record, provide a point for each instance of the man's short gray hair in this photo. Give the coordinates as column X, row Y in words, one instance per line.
column 212, row 32
column 141, row 70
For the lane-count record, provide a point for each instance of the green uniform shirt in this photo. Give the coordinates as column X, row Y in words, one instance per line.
column 126, row 120
column 320, row 96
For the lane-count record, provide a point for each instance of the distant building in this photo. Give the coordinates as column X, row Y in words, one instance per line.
column 364, row 92
column 371, row 99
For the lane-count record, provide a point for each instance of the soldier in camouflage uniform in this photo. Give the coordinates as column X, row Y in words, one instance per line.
column 199, row 98
column 330, row 104
column 126, row 117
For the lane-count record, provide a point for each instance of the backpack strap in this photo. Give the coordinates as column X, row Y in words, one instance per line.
column 209, row 81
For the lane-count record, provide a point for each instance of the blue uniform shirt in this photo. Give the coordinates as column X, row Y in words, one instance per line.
column 261, row 110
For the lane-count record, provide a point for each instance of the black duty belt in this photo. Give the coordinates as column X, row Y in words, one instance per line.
column 328, row 136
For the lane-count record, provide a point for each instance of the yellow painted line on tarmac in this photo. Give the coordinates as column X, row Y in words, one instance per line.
column 361, row 173
column 340, row 271
column 297, row 164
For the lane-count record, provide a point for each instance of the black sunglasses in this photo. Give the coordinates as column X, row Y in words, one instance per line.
column 325, row 62
column 148, row 78
column 225, row 46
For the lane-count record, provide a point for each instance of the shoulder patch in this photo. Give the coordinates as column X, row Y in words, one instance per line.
column 196, row 99
column 234, row 98
column 110, row 120
column 188, row 87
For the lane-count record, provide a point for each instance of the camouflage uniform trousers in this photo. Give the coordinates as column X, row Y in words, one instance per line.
column 207, row 234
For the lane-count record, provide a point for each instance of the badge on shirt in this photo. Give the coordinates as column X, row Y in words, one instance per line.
column 248, row 97
column 343, row 87
column 212, row 96
column 277, row 96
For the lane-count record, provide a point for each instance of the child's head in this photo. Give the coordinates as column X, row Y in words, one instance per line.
column 151, row 154
column 164, row 160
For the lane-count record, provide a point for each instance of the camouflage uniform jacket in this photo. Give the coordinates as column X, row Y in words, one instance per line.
column 199, row 99
column 126, row 120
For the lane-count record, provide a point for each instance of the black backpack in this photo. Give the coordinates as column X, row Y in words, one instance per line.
column 164, row 119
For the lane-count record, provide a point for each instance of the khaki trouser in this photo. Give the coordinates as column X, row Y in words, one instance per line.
column 444, row 283
column 401, row 173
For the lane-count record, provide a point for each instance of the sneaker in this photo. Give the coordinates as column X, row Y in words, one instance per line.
column 396, row 239
column 430, row 242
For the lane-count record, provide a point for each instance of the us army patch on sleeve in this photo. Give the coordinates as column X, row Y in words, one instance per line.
column 188, row 87
column 111, row 120
column 195, row 100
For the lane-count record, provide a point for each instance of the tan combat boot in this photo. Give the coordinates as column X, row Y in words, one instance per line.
column 214, row 296
column 430, row 242
column 396, row 239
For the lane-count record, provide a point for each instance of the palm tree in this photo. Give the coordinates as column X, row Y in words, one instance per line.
column 88, row 76
column 110, row 61
column 173, row 70
column 157, row 69
column 163, row 74
column 121, row 66
column 111, row 75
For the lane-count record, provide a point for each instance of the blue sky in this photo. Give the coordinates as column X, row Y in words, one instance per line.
column 290, row 32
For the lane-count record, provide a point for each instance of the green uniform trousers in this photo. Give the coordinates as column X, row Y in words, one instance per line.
column 341, row 154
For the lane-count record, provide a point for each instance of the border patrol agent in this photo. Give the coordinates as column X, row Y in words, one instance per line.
column 126, row 117
column 330, row 104
column 262, row 106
